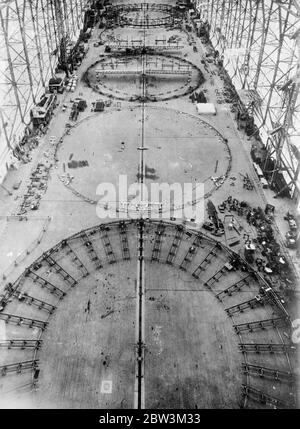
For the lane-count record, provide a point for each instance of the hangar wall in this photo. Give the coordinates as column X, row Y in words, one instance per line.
column 259, row 42
column 31, row 32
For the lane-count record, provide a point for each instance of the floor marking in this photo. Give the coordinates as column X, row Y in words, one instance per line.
column 106, row 386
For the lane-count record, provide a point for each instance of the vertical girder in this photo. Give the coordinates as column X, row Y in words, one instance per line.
column 29, row 45
column 260, row 48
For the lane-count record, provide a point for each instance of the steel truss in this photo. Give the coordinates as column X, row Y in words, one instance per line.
column 259, row 42
column 119, row 13
column 31, row 32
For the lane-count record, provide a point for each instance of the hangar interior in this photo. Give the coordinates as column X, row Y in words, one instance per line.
column 126, row 302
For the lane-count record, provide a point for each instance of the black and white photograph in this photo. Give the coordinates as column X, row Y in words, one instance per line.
column 150, row 208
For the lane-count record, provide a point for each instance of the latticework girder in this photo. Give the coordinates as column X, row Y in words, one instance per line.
column 259, row 43
column 31, row 33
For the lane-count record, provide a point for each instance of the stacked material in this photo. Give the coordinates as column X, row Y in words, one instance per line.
column 72, row 83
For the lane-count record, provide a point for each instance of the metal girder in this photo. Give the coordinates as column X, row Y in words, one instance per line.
column 260, row 45
column 30, row 36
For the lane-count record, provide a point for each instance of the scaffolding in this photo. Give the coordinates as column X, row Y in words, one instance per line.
column 136, row 15
column 259, row 44
column 32, row 34
column 151, row 66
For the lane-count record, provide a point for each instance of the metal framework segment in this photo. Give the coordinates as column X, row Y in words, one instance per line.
column 141, row 72
column 266, row 348
column 107, row 245
column 10, row 289
column 45, row 283
column 119, row 15
column 202, row 266
column 30, row 300
column 159, row 233
column 21, row 344
column 19, row 320
column 262, row 397
column 175, row 245
column 264, row 372
column 60, row 270
column 259, row 325
column 216, row 277
column 155, row 48
column 124, row 241
column 246, row 305
column 66, row 246
column 19, row 367
column 191, row 253
column 141, row 7
column 236, row 287
column 158, row 66
column 88, row 244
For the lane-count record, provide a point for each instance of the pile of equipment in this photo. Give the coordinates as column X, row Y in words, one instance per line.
column 36, row 188
column 42, row 112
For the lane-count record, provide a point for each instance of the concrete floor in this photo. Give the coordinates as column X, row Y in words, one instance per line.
column 175, row 154
column 176, row 355
column 184, row 326
column 90, row 338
